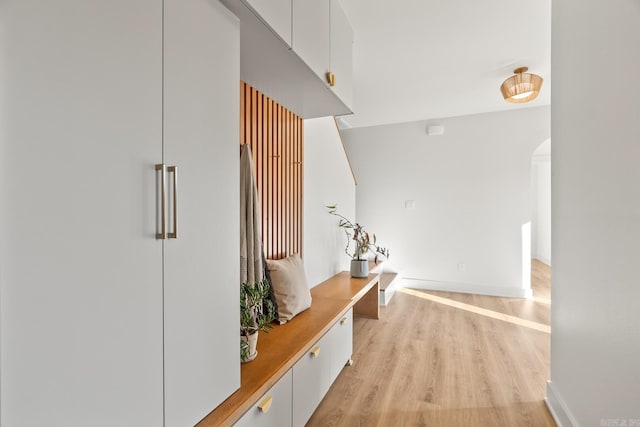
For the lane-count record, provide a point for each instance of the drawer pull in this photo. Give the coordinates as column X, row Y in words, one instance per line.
column 174, row 171
column 343, row 320
column 162, row 168
column 315, row 352
column 265, row 405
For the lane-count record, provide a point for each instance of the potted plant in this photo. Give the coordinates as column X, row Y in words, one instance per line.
column 363, row 242
column 256, row 314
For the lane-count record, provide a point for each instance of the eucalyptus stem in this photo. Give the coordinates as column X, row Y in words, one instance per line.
column 355, row 232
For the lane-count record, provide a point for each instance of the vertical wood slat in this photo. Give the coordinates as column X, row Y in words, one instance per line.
column 263, row 163
column 269, row 202
column 279, row 185
column 300, row 225
column 285, row 184
column 258, row 142
column 276, row 138
column 298, row 186
column 290, row 164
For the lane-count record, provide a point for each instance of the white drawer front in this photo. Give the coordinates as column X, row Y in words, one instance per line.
column 273, row 409
column 342, row 344
column 311, row 380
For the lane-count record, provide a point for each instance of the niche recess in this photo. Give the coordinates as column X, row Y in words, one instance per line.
column 275, row 135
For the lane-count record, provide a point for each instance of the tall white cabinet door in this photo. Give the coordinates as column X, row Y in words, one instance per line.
column 80, row 269
column 311, row 38
column 201, row 266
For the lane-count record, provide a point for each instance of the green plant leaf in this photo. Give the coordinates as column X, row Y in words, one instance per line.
column 256, row 309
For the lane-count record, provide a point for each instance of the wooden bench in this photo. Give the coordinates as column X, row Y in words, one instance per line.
column 281, row 348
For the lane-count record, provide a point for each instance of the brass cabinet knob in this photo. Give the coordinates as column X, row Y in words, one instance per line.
column 331, row 79
column 315, row 352
column 265, row 405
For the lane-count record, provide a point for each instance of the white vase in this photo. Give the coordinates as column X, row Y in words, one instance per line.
column 359, row 268
column 252, row 340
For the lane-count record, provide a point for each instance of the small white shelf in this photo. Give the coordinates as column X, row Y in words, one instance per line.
column 388, row 285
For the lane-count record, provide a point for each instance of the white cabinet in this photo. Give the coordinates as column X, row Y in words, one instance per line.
column 323, row 39
column 276, row 14
column 297, row 394
column 82, row 304
column 273, row 409
column 311, row 34
column 201, row 77
column 311, row 380
column 286, row 52
column 314, row 373
column 80, row 269
column 341, row 64
column 342, row 344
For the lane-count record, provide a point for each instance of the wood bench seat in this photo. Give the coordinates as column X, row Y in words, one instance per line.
column 285, row 344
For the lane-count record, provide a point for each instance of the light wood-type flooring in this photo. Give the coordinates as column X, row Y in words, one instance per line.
column 446, row 359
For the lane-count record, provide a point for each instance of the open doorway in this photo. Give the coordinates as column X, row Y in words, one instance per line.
column 541, row 223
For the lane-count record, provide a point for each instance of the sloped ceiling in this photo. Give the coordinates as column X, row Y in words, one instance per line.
column 426, row 59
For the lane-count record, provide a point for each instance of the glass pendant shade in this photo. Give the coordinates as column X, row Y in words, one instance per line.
column 521, row 87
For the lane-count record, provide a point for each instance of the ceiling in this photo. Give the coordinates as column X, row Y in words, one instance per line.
column 427, row 59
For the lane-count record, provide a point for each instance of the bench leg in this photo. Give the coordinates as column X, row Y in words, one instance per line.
column 369, row 306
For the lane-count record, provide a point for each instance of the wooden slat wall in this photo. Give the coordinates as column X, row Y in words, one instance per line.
column 275, row 135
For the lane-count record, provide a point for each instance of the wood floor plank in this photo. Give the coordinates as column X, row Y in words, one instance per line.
column 424, row 363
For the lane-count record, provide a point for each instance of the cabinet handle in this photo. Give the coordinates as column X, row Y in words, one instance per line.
column 343, row 320
column 265, row 405
column 315, row 352
column 331, row 79
column 163, row 201
column 174, row 170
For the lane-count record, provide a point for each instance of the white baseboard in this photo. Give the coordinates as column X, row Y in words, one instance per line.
column 467, row 288
column 558, row 408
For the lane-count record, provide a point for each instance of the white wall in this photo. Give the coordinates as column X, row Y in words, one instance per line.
column 541, row 203
column 471, row 188
column 327, row 180
column 595, row 343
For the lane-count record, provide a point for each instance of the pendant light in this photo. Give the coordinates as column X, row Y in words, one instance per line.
column 522, row 86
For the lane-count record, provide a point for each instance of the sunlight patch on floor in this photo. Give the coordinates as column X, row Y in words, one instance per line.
column 479, row 310
column 541, row 300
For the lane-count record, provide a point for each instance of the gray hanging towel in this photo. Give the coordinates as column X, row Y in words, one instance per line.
column 251, row 255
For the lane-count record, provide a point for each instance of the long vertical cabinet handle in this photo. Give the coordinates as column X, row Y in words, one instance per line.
column 163, row 201
column 174, row 171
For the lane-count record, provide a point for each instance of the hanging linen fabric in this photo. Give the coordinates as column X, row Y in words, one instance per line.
column 251, row 254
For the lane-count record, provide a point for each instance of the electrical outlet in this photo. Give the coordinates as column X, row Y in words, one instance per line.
column 462, row 267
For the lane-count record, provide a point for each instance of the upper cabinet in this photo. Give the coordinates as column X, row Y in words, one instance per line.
column 288, row 48
column 312, row 34
column 341, row 64
column 323, row 39
column 276, row 14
